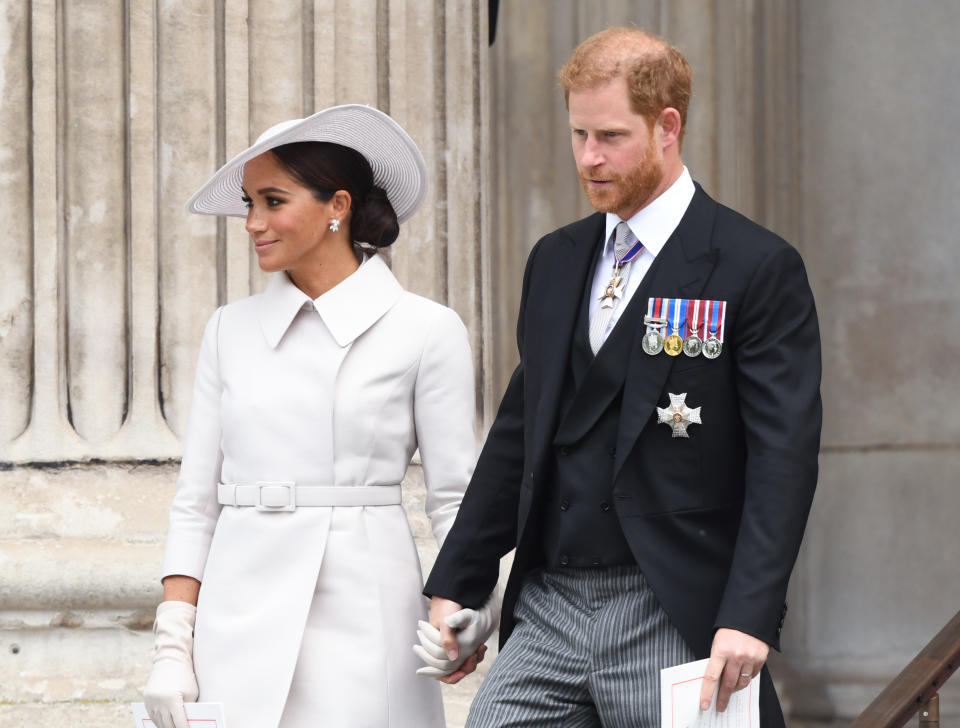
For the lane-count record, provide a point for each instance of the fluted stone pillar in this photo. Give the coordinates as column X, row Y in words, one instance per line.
column 111, row 114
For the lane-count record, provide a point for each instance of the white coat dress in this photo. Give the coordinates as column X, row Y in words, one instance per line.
column 307, row 617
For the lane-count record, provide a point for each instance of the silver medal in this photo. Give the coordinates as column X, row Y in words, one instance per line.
column 712, row 347
column 692, row 345
column 653, row 341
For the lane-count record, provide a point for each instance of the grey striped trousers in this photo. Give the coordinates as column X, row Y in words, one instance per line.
column 586, row 651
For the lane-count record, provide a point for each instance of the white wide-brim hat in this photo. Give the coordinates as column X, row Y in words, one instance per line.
column 397, row 163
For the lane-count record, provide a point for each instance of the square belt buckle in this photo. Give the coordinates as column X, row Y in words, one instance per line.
column 276, row 496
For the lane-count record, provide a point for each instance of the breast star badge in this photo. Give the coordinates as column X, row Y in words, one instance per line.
column 678, row 415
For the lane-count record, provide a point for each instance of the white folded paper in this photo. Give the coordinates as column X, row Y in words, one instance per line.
column 680, row 701
column 199, row 715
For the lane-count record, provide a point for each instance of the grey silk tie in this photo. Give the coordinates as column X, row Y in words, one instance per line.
column 622, row 242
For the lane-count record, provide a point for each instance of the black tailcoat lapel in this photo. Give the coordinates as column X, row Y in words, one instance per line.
column 565, row 276
column 681, row 271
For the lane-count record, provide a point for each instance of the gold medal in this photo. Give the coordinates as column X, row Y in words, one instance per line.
column 673, row 344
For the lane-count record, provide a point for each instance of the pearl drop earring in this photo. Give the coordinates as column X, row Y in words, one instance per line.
column 334, row 224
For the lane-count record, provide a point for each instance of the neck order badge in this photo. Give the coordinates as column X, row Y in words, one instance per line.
column 623, row 253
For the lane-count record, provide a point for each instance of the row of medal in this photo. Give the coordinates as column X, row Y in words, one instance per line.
column 676, row 325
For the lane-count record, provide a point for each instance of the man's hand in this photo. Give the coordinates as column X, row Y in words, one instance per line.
column 468, row 666
column 440, row 609
column 470, row 628
column 735, row 658
column 438, row 665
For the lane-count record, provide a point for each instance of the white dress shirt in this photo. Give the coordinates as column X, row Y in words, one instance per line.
column 652, row 226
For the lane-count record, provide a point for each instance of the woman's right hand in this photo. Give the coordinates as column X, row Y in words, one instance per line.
column 172, row 681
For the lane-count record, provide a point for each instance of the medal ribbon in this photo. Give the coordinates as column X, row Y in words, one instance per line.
column 695, row 323
column 630, row 255
column 675, row 304
column 718, row 313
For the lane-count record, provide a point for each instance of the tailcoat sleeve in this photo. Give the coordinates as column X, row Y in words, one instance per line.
column 444, row 409
column 195, row 509
column 777, row 357
column 467, row 567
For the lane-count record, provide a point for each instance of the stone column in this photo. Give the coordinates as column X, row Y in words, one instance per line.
column 111, row 115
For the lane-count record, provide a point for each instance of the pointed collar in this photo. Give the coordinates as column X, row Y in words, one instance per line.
column 348, row 309
column 654, row 224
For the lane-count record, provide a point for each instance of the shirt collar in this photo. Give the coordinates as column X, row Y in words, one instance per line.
column 654, row 224
column 348, row 309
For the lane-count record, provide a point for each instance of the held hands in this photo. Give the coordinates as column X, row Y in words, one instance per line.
column 455, row 632
column 172, row 681
column 735, row 658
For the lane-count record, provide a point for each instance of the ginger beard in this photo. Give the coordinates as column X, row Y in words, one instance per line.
column 627, row 193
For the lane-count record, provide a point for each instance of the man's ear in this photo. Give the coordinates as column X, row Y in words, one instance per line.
column 669, row 124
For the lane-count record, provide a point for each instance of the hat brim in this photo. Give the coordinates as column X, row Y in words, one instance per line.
column 397, row 163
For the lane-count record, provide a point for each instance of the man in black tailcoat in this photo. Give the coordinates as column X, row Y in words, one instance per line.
column 654, row 457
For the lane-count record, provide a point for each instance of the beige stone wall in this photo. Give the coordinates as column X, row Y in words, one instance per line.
column 829, row 122
column 111, row 114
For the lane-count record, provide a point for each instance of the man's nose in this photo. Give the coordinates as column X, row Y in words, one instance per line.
column 591, row 155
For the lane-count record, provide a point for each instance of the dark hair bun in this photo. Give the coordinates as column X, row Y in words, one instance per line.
column 374, row 220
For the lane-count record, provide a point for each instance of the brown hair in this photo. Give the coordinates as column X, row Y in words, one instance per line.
column 656, row 73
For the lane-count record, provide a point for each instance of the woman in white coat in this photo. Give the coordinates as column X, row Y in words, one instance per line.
column 286, row 530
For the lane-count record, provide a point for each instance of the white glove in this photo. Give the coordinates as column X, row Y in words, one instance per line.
column 172, row 681
column 473, row 628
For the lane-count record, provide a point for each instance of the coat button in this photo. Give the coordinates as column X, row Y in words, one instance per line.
column 564, row 560
column 564, row 450
column 596, row 561
column 604, row 506
column 564, row 504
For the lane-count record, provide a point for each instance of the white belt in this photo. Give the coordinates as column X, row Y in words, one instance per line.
column 266, row 495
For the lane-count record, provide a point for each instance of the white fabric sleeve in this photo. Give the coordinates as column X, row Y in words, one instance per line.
column 194, row 513
column 444, row 410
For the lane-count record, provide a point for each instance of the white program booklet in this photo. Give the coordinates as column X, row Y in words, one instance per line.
column 680, row 701
column 199, row 715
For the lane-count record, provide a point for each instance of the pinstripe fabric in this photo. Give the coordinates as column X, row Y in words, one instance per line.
column 586, row 651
